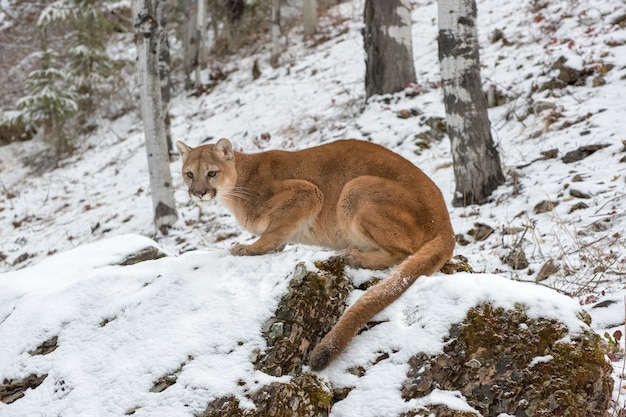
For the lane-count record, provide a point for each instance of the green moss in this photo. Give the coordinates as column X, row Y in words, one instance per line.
column 303, row 396
column 457, row 264
column 490, row 359
column 313, row 304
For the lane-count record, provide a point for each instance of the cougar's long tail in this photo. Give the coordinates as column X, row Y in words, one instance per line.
column 427, row 260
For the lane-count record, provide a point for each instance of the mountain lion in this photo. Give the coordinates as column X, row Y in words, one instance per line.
column 350, row 195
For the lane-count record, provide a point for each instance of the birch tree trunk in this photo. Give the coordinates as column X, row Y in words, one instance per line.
column 476, row 161
column 147, row 41
column 190, row 41
column 164, row 70
column 275, row 55
column 201, row 47
column 388, row 46
column 309, row 17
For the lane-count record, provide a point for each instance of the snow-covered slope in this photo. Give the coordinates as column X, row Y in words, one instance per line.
column 120, row 329
column 316, row 96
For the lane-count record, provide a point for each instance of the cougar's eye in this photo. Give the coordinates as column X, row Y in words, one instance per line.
column 211, row 174
column 189, row 175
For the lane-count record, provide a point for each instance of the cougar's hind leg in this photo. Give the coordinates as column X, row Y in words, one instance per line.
column 381, row 222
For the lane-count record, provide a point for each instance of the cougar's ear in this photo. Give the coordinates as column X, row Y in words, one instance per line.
column 183, row 149
column 224, row 149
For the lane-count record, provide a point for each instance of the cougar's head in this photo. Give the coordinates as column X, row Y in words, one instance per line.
column 208, row 170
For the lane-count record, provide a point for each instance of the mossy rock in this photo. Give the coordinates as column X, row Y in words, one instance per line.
column 303, row 396
column 502, row 361
column 313, row 304
column 149, row 253
column 439, row 411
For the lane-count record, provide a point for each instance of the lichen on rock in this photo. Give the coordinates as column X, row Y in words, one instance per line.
column 502, row 361
column 313, row 304
column 303, row 396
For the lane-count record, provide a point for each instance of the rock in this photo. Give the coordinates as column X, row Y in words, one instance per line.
column 545, row 206
column 549, row 154
column 526, row 367
column 460, row 239
column 567, row 74
column 435, row 133
column 500, row 360
column 458, row 263
column 578, row 194
column 542, row 105
column 439, row 411
column 149, row 253
column 303, row 396
column 553, row 84
column 582, row 153
column 496, row 35
column 405, row 113
column 314, row 303
column 256, row 71
column 46, row 347
column 598, row 81
column 481, row 231
column 516, row 258
column 547, row 270
column 512, row 230
column 163, row 383
column 601, row 225
column 12, row 390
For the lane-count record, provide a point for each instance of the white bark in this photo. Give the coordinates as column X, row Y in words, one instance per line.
column 190, row 41
column 309, row 17
column 202, row 44
column 144, row 13
column 477, row 169
column 275, row 55
column 402, row 32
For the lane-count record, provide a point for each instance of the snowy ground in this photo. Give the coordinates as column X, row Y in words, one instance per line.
column 169, row 310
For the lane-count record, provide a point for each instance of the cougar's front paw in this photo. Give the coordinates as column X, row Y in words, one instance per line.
column 240, row 250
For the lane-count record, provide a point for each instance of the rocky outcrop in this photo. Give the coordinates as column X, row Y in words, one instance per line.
column 500, row 360
column 313, row 304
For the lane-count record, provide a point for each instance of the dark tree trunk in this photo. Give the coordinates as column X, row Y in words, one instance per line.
column 388, row 46
column 477, row 169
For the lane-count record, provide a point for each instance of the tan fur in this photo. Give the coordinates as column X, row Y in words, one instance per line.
column 349, row 195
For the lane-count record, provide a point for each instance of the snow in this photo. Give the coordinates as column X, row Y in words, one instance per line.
column 121, row 328
column 199, row 311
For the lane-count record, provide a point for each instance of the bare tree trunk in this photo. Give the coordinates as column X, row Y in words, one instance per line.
column 234, row 12
column 164, row 70
column 201, row 54
column 309, row 17
column 477, row 169
column 275, row 55
column 147, row 41
column 388, row 46
column 190, row 41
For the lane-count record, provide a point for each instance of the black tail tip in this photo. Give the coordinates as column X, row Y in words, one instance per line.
column 320, row 357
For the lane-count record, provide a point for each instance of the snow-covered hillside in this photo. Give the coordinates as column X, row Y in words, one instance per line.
column 316, row 96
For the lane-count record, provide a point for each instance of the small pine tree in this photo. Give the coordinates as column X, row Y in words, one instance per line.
column 49, row 103
column 87, row 63
column 72, row 80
